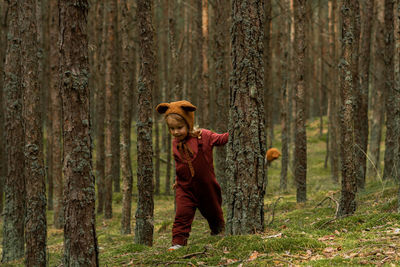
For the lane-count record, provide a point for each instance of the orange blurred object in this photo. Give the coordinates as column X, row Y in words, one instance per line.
column 272, row 154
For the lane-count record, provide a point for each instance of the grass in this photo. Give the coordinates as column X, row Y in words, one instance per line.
column 300, row 234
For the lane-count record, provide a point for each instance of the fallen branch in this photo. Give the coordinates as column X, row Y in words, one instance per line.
column 333, row 200
column 194, row 254
column 332, row 220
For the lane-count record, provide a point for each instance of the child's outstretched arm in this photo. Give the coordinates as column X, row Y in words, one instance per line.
column 215, row 139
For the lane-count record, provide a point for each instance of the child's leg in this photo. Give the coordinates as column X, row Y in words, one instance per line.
column 185, row 211
column 210, row 208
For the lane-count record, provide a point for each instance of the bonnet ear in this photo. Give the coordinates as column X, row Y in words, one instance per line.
column 188, row 107
column 162, row 108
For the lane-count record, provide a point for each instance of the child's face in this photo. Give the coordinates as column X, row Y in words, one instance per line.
column 177, row 128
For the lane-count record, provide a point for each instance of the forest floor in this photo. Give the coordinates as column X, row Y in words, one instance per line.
column 296, row 235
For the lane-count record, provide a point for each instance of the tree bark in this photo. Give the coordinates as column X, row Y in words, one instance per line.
column 79, row 197
column 347, row 204
column 246, row 145
column 35, row 220
column 300, row 150
column 205, row 90
column 145, row 207
column 14, row 186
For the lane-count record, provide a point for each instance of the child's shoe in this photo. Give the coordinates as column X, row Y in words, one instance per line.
column 174, row 247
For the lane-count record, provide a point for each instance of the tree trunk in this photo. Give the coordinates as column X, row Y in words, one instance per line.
column 109, row 114
column 35, row 220
column 391, row 146
column 205, row 90
column 166, row 56
column 333, row 123
column 361, row 96
column 145, row 207
column 116, row 89
column 128, row 74
column 284, row 46
column 377, row 103
column 55, row 99
column 267, row 74
column 100, row 107
column 14, row 186
column 3, row 153
column 79, row 198
column 221, row 61
column 300, row 150
column 246, row 145
column 347, row 204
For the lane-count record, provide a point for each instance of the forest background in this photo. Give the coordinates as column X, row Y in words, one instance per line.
column 318, row 79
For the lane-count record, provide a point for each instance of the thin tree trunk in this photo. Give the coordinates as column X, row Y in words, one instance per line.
column 377, row 103
column 115, row 108
column 332, row 97
column 14, row 187
column 80, row 241
column 391, row 145
column 347, row 204
column 55, row 98
column 221, row 61
column 128, row 74
column 284, row 46
column 166, row 72
column 109, row 97
column 100, row 107
column 3, row 153
column 246, row 145
column 205, row 90
column 145, row 207
column 361, row 96
column 267, row 73
column 300, row 151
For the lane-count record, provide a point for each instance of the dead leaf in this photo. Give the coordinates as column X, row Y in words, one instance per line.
column 337, row 232
column 328, row 252
column 272, row 236
column 327, row 237
column 253, row 256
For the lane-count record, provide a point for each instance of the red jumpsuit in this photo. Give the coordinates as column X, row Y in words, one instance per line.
column 201, row 191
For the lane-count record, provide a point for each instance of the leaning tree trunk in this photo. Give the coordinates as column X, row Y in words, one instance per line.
column 347, row 204
column 300, row 150
column 14, row 186
column 80, row 242
column 391, row 145
column 246, row 146
column 35, row 220
column 145, row 207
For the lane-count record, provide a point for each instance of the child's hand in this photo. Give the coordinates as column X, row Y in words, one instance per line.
column 174, row 185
